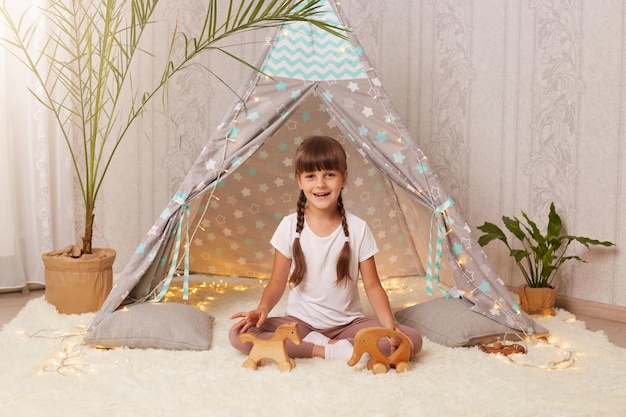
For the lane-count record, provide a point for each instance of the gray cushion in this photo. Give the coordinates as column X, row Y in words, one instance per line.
column 450, row 322
column 168, row 325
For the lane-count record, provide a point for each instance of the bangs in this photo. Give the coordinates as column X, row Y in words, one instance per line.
column 320, row 154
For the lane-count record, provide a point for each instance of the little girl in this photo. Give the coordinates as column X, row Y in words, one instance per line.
column 324, row 248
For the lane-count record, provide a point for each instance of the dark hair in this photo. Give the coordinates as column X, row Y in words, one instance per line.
column 320, row 153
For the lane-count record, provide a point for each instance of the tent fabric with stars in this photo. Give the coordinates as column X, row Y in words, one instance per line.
column 220, row 220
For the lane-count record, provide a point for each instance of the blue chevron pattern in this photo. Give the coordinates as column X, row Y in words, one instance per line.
column 305, row 52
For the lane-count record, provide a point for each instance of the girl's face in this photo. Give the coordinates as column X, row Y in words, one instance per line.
column 322, row 188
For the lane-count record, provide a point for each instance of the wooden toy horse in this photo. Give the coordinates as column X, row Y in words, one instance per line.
column 273, row 348
column 366, row 340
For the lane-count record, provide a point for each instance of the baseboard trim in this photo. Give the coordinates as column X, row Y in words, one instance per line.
column 592, row 308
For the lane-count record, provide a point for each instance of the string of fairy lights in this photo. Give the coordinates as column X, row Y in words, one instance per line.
column 67, row 360
column 69, row 357
column 375, row 94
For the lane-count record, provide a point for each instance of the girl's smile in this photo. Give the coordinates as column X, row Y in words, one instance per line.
column 322, row 188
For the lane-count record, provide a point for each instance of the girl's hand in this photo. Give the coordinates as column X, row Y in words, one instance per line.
column 394, row 342
column 248, row 319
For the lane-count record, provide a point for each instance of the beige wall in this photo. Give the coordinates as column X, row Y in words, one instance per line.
column 517, row 104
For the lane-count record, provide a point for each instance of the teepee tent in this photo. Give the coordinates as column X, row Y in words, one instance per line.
column 221, row 218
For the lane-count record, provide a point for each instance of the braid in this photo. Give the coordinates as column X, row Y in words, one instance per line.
column 343, row 262
column 342, row 212
column 301, row 207
column 298, row 255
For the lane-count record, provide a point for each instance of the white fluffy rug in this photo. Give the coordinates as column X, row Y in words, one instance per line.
column 47, row 372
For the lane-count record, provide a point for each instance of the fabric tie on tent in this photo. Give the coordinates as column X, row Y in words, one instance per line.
column 438, row 250
column 179, row 198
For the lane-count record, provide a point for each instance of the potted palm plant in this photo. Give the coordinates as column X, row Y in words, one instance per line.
column 84, row 77
column 539, row 258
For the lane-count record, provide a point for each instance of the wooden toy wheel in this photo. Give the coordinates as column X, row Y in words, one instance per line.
column 249, row 364
column 403, row 367
column 285, row 366
column 379, row 368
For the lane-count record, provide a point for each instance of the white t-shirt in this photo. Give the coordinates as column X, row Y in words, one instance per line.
column 318, row 300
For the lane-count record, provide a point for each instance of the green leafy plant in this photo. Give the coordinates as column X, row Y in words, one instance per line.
column 84, row 69
column 542, row 254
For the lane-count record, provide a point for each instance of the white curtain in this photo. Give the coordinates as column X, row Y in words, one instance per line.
column 36, row 210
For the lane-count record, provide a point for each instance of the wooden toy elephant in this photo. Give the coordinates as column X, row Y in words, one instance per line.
column 273, row 348
column 366, row 340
